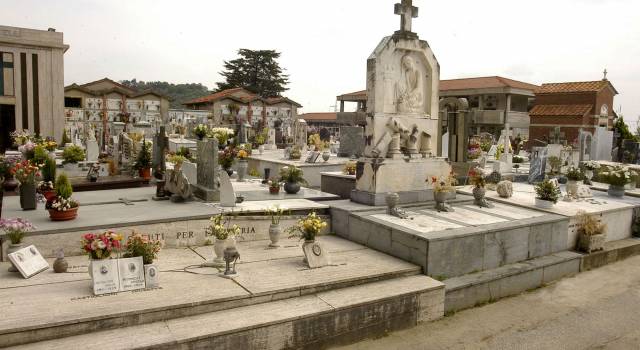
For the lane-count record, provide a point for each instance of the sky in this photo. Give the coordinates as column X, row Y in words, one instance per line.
column 325, row 44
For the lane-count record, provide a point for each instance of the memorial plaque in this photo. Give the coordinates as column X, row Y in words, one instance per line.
column 316, row 255
column 151, row 273
column 104, row 274
column 28, row 261
column 131, row 271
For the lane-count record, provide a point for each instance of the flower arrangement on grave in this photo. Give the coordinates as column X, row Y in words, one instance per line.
column 260, row 138
column 143, row 162
column 485, row 145
column 65, row 138
column 444, row 183
column 40, row 156
column 226, row 158
column 315, row 141
column 307, row 228
column 20, row 137
column 292, row 177
column 242, row 154
column 476, row 178
column 186, row 153
column 140, row 245
column 220, row 227
column 15, row 229
column 591, row 165
column 73, row 154
column 591, row 232
column 63, row 207
column 276, row 214
column 45, row 187
column 295, row 153
column 27, row 149
column 49, row 145
column 25, row 172
column 518, row 159
column 473, row 150
column 349, row 168
column 201, row 131
column 574, row 174
column 274, row 185
column 617, row 176
column 547, row 191
column 99, row 246
column 176, row 160
column 222, row 134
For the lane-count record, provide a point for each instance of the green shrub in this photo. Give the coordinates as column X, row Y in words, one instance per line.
column 548, row 191
column 73, row 154
column 63, row 186
column 144, row 156
column 40, row 155
column 49, row 170
column 65, row 138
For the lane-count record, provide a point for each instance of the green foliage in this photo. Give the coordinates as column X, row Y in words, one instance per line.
column 548, row 191
column 139, row 245
column 186, row 153
column 178, row 93
column 49, row 170
column 555, row 163
column 65, row 138
column 73, row 154
column 257, row 71
column 144, row 156
column 623, row 130
column 574, row 174
column 40, row 156
column 518, row 159
column 63, row 186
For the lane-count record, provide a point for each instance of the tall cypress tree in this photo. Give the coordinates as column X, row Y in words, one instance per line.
column 257, row 71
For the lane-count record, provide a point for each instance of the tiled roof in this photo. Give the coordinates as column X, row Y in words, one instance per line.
column 559, row 110
column 240, row 95
column 357, row 96
column 319, row 116
column 484, row 83
column 574, row 87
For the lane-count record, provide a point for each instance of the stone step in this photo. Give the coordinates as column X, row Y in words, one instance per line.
column 486, row 286
column 51, row 305
column 327, row 318
column 613, row 251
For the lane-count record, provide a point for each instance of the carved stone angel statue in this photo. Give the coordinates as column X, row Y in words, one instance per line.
column 409, row 87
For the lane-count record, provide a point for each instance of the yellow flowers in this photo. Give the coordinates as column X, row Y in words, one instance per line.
column 242, row 154
column 308, row 227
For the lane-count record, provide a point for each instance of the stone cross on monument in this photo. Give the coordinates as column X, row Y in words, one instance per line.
column 407, row 11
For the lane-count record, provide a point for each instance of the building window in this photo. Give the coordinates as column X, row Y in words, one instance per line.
column 6, row 74
column 73, row 102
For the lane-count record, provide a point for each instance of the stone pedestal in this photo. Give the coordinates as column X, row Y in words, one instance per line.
column 408, row 178
column 207, row 172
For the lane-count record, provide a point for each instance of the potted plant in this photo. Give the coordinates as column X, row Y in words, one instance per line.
column 201, row 131
column 617, row 177
column 349, row 168
column 143, row 163
column 476, row 178
column 15, row 230
column 63, row 207
column 242, row 164
column 177, row 161
column 260, row 140
column 48, row 171
column 307, row 229
column 10, row 183
column 573, row 176
column 221, row 229
column 292, row 177
column 442, row 187
column 274, row 186
column 26, row 174
column 295, row 153
column 274, row 228
column 547, row 194
column 140, row 245
column 589, row 167
column 71, row 156
column 226, row 158
column 591, row 233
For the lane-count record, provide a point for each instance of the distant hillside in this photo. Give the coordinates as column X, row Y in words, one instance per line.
column 178, row 93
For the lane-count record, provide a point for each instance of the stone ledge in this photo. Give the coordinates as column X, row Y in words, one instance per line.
column 486, row 286
column 613, row 251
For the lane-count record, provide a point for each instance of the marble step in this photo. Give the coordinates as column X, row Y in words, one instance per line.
column 322, row 319
column 51, row 305
column 613, row 251
column 490, row 285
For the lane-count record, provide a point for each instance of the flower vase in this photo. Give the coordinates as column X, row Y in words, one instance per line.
column 291, row 187
column 12, row 249
column 588, row 175
column 10, row 183
column 242, row 170
column 572, row 188
column 28, row 196
column 440, row 197
column 229, row 171
column 306, row 243
column 261, row 149
column 326, row 155
column 218, row 248
column 274, row 235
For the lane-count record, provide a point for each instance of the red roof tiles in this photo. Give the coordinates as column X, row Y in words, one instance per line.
column 484, row 83
column 574, row 87
column 559, row 110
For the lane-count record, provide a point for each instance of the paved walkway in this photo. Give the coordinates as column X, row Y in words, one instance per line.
column 598, row 309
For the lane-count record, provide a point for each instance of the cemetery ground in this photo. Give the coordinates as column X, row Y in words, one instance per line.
column 598, row 309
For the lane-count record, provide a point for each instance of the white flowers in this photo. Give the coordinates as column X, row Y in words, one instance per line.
column 221, row 131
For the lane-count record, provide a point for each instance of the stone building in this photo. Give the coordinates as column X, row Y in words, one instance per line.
column 571, row 107
column 227, row 105
column 324, row 120
column 31, row 82
column 99, row 104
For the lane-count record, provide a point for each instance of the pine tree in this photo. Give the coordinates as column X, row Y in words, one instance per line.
column 257, row 71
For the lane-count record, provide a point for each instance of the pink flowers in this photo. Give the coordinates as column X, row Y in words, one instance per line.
column 16, row 228
column 100, row 246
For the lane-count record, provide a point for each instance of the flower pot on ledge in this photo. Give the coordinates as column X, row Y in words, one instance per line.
column 544, row 204
column 70, row 214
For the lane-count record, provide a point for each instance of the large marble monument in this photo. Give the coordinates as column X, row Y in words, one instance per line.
column 402, row 118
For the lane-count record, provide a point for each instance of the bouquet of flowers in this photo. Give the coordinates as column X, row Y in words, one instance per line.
column 591, row 165
column 25, row 172
column 242, row 154
column 222, row 134
column 474, row 151
column 618, row 176
column 100, row 245
column 20, row 137
column 226, row 157
column 307, row 228
column 221, row 227
column 276, row 214
column 201, row 131
column 444, row 183
column 350, row 168
column 140, row 245
column 44, row 186
column 16, row 228
column 49, row 145
column 476, row 178
column 27, row 149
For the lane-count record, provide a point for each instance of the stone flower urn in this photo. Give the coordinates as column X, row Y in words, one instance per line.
column 572, row 188
column 291, row 187
column 588, row 175
column 12, row 249
column 326, row 155
column 242, row 170
column 615, row 191
column 274, row 235
column 440, row 197
column 261, row 149
column 218, row 248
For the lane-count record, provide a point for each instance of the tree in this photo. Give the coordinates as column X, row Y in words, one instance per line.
column 257, row 71
column 623, row 129
column 178, row 93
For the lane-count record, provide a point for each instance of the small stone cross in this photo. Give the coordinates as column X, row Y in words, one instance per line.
column 407, row 11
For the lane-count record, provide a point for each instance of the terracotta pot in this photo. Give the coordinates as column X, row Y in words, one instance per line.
column 49, row 195
column 274, row 190
column 145, row 173
column 67, row 215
